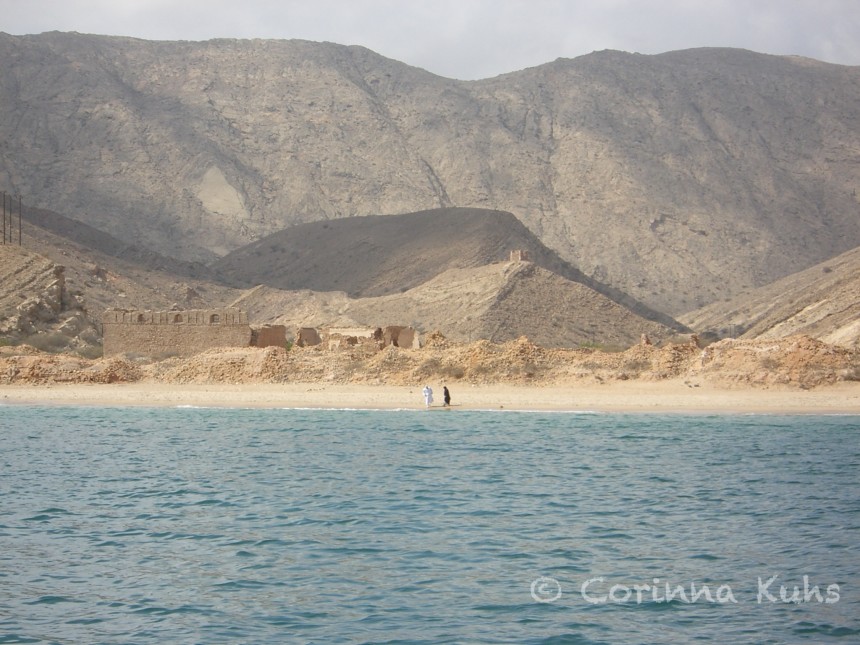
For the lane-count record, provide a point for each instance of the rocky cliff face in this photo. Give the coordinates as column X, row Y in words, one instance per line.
column 35, row 306
column 681, row 178
column 820, row 302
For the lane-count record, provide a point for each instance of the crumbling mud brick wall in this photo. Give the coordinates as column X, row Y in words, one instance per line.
column 307, row 337
column 180, row 333
column 342, row 337
column 269, row 336
column 400, row 336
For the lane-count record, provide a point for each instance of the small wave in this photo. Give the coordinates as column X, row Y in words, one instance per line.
column 55, row 511
column 239, row 585
column 51, row 600
column 18, row 638
column 83, row 621
column 705, row 556
column 166, row 611
column 834, row 631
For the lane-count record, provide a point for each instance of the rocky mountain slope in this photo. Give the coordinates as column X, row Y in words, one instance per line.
column 375, row 255
column 49, row 229
column 492, row 302
column 681, row 179
column 497, row 302
column 55, row 289
column 822, row 302
column 107, row 272
column 36, row 307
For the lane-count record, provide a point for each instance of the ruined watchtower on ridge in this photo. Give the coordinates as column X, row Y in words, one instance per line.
column 186, row 332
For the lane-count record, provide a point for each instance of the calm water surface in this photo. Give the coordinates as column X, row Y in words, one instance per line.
column 135, row 525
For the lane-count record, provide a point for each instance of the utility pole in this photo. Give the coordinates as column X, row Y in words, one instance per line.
column 9, row 224
column 11, row 212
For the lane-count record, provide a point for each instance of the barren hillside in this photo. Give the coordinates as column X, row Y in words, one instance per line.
column 51, row 229
column 107, row 273
column 36, row 306
column 374, row 256
column 54, row 288
column 680, row 179
column 497, row 302
column 822, row 302
column 22, row 274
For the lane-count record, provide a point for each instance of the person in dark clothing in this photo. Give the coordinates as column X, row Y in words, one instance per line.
column 446, row 395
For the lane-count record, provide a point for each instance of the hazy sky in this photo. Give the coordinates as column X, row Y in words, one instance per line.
column 470, row 39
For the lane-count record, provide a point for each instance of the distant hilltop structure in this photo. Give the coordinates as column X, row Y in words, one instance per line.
column 183, row 332
column 520, row 255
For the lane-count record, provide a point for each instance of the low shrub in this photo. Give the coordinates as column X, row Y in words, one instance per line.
column 52, row 342
column 90, row 352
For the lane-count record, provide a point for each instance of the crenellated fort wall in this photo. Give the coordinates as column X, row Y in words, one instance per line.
column 155, row 333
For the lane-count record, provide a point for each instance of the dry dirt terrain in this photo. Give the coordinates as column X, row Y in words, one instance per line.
column 797, row 361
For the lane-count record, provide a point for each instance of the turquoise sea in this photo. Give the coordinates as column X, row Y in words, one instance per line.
column 158, row 525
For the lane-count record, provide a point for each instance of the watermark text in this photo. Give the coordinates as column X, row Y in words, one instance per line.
column 772, row 589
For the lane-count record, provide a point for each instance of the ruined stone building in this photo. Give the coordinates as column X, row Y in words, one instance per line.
column 393, row 335
column 307, row 337
column 183, row 332
column 191, row 331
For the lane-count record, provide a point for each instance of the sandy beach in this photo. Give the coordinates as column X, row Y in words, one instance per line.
column 662, row 396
